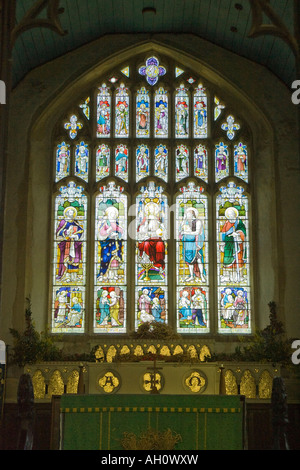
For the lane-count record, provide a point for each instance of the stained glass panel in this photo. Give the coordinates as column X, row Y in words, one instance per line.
column 102, row 161
column 110, row 260
column 201, row 162
column 73, row 126
column 233, row 260
column 151, row 234
column 122, row 112
column 161, row 162
column 218, row 108
column 182, row 162
column 161, row 124
column 200, row 113
column 104, row 112
column 142, row 162
column 191, row 229
column 151, row 304
column 221, row 161
column 181, row 112
column 62, row 161
column 142, row 113
column 69, row 264
column 230, row 127
column 241, row 161
column 82, row 161
column 121, row 162
column 85, row 106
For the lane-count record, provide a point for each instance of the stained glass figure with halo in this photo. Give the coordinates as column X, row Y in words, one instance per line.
column 103, row 112
column 102, row 161
column 200, row 112
column 181, row 112
column 62, row 161
column 142, row 113
column 161, row 162
column 161, row 121
column 82, row 161
column 122, row 112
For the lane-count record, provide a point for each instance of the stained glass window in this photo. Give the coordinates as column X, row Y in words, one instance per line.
column 192, row 260
column 110, row 260
column 166, row 235
column 69, row 262
column 232, row 215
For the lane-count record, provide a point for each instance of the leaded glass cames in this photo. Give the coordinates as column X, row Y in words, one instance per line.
column 152, row 204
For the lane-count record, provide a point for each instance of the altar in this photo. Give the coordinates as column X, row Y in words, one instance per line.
column 202, row 422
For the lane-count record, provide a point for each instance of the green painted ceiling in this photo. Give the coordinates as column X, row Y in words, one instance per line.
column 226, row 23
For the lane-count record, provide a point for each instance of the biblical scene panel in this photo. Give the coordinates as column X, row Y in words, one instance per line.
column 69, row 263
column 151, row 304
column 193, row 308
column 110, row 259
column 233, row 259
column 191, row 229
column 110, row 309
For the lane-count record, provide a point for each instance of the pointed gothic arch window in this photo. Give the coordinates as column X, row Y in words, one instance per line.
column 151, row 206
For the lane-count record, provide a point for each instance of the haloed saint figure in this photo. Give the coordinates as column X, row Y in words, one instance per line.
column 69, row 235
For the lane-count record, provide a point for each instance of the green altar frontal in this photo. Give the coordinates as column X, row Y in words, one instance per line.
column 98, row 422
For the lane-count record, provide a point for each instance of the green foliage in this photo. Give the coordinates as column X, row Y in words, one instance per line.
column 154, row 330
column 30, row 346
column 269, row 344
